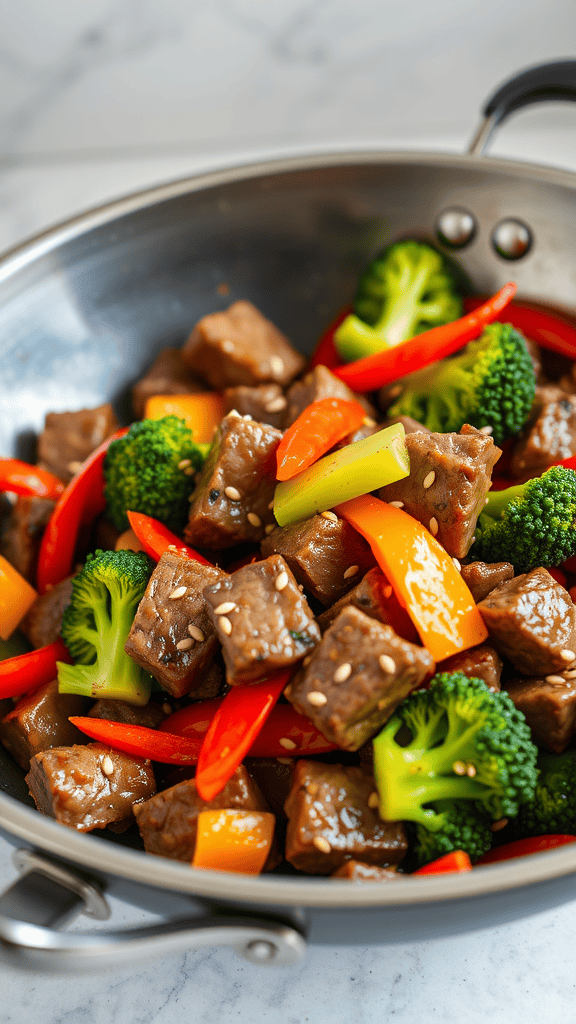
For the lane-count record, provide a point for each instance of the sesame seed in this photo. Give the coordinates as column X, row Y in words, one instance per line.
column 225, row 625
column 487, row 429
column 317, row 699
column 253, row 519
column 387, row 592
column 470, row 770
column 429, row 480
column 195, row 632
column 459, row 768
column 225, row 607
column 284, row 760
column 166, row 708
column 373, row 799
column 457, row 564
column 433, row 526
column 396, row 504
column 555, row 679
column 286, row 743
column 351, row 571
column 368, row 422
column 247, row 416
column 185, row 644
column 306, row 660
column 276, row 405
column 312, row 788
column 393, row 392
column 331, row 516
column 107, row 765
column 172, row 547
column 322, row 844
column 567, row 655
column 179, row 592
column 268, row 529
column 383, row 704
column 233, row 412
column 498, row 825
column 281, row 581
column 184, row 463
column 277, row 365
column 74, row 467
column 233, row 493
column 387, row 664
column 189, row 471
column 343, row 672
column 571, row 674
column 271, row 505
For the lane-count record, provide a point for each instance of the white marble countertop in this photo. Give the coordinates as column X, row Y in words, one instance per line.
column 103, row 98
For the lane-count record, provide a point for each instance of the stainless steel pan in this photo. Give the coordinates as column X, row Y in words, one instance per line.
column 84, row 308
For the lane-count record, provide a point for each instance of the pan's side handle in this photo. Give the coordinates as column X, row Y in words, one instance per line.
column 554, row 81
column 48, row 894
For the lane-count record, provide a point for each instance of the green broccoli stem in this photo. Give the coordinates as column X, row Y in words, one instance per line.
column 498, row 501
column 401, row 312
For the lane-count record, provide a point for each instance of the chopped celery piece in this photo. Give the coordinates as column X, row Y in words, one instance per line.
column 364, row 466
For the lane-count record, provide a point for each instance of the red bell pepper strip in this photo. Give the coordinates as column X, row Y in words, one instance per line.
column 140, row 741
column 157, row 539
column 451, row 863
column 325, row 353
column 81, row 501
column 22, row 478
column 549, row 330
column 29, row 671
column 522, row 847
column 316, row 430
column 385, row 367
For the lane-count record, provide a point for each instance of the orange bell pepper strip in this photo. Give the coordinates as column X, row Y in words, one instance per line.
column 318, row 428
column 523, row 847
column 22, row 478
column 156, row 539
column 16, row 598
column 233, row 840
column 422, row 574
column 202, row 412
column 450, row 864
column 28, row 671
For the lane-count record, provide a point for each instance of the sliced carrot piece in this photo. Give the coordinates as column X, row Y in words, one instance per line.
column 233, row 840
column 451, row 864
column 202, row 412
column 16, row 597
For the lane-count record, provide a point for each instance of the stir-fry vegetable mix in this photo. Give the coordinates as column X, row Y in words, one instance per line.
column 341, row 641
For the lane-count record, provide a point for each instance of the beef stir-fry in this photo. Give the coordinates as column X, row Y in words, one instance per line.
column 315, row 617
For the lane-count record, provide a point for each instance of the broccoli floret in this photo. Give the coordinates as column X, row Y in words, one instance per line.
column 407, row 289
column 466, row 744
column 553, row 806
column 144, row 473
column 491, row 383
column 96, row 623
column 531, row 524
column 461, row 828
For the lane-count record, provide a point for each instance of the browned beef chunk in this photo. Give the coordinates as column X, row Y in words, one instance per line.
column 355, row 677
column 151, row 715
column 240, row 346
column 549, row 705
column 231, row 503
column 39, row 721
column 483, row 577
column 480, row 662
column 410, row 426
column 70, row 437
column 265, row 403
column 532, row 622
column 450, row 476
column 368, row 428
column 168, row 375
column 172, row 635
column 262, row 620
column 168, row 821
column 274, row 777
column 549, row 436
column 568, row 380
column 43, row 623
column 357, row 871
column 90, row 786
column 212, row 683
column 22, row 533
column 333, row 817
column 375, row 597
column 320, row 383
column 325, row 554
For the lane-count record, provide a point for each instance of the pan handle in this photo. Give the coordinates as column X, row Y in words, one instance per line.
column 48, row 893
column 554, row 81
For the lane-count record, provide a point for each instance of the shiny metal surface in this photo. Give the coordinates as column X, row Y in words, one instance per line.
column 512, row 239
column 455, row 227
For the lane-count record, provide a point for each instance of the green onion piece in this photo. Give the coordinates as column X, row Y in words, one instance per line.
column 361, row 467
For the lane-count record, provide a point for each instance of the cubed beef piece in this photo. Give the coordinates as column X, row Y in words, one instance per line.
column 356, row 677
column 43, row 623
column 450, row 476
column 151, row 715
column 69, row 438
column 410, row 425
column 240, row 346
column 568, row 380
column 357, row 871
column 333, row 817
column 232, row 500
column 374, row 596
column 87, row 787
column 367, row 429
column 265, row 403
column 168, row 375
column 549, row 706
column 274, row 777
column 326, row 555
column 172, row 635
column 320, row 383
column 22, row 533
column 213, row 681
column 480, row 662
column 531, row 620
column 39, row 721
column 168, row 821
column 549, row 436
column 483, row 577
column 262, row 620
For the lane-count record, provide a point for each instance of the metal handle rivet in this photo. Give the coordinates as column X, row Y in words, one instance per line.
column 455, row 227
column 511, row 239
column 261, row 951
